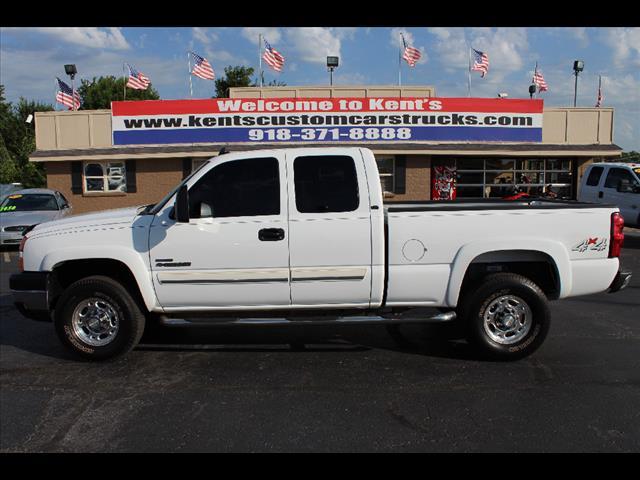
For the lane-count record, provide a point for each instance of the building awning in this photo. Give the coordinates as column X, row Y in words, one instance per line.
column 396, row 148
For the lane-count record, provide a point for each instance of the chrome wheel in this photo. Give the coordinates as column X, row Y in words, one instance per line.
column 95, row 322
column 507, row 319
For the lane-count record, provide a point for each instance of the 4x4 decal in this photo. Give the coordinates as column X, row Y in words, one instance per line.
column 591, row 244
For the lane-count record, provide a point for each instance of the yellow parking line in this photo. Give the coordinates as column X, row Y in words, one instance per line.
column 7, row 259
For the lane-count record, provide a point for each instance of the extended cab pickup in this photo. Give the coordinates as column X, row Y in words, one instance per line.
column 302, row 235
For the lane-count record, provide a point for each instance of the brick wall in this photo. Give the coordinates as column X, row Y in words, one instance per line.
column 154, row 179
column 418, row 180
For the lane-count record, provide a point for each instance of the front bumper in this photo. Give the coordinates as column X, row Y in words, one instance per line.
column 30, row 292
column 620, row 281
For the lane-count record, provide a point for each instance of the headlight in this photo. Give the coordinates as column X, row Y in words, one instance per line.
column 17, row 228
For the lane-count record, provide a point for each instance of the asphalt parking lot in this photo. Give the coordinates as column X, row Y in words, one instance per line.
column 303, row 389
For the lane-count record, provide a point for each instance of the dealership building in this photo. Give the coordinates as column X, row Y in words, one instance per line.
column 427, row 147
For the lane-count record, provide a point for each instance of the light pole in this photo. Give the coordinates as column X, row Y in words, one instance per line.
column 532, row 90
column 71, row 70
column 578, row 66
column 332, row 63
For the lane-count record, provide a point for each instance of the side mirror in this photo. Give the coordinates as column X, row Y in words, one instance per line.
column 624, row 186
column 181, row 207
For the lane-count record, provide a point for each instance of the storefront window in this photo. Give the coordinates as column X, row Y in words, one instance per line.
column 499, row 177
column 386, row 168
column 105, row 177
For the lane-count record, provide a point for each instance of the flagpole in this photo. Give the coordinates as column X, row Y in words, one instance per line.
column 124, row 85
column 535, row 71
column 400, row 63
column 190, row 82
column 73, row 94
column 599, row 97
column 260, row 59
column 469, row 72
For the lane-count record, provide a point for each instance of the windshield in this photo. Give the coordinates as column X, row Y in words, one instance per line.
column 28, row 203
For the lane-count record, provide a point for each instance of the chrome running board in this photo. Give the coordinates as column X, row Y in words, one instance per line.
column 348, row 320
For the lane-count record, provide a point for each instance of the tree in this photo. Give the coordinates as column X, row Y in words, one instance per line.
column 233, row 77
column 239, row 77
column 631, row 157
column 18, row 141
column 100, row 92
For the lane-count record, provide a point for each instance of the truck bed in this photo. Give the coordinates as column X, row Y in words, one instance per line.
column 431, row 244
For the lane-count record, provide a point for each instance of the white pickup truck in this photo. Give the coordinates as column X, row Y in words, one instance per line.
column 302, row 235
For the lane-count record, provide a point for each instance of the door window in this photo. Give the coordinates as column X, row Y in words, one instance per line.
column 238, row 188
column 594, row 176
column 326, row 183
column 617, row 174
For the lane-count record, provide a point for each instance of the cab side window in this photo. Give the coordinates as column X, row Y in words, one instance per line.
column 594, row 176
column 617, row 174
column 326, row 183
column 238, row 188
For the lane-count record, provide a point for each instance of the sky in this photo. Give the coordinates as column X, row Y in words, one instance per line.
column 31, row 58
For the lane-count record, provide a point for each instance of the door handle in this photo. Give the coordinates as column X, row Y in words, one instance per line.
column 270, row 234
column 600, row 194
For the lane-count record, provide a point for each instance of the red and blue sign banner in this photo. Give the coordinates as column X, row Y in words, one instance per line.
column 309, row 120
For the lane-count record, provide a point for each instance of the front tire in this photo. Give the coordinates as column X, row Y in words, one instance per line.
column 507, row 317
column 97, row 319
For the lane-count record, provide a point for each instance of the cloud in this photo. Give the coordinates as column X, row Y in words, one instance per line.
column 22, row 71
column 625, row 43
column 208, row 39
column 272, row 35
column 313, row 44
column 90, row 37
column 505, row 46
column 204, row 35
column 578, row 33
column 450, row 48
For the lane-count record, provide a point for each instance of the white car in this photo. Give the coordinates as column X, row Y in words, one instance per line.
column 616, row 184
column 24, row 208
column 301, row 235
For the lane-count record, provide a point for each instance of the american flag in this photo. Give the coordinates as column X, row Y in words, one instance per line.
column 600, row 97
column 480, row 62
column 202, row 67
column 273, row 58
column 137, row 80
column 66, row 96
column 538, row 79
column 411, row 55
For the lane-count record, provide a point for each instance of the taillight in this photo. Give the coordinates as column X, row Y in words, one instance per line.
column 20, row 250
column 617, row 235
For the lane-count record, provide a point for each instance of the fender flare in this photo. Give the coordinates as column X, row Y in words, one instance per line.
column 131, row 260
column 470, row 251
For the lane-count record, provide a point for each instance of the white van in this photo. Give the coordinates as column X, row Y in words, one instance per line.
column 614, row 183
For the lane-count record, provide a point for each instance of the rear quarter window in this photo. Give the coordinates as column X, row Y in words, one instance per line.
column 594, row 176
column 326, row 183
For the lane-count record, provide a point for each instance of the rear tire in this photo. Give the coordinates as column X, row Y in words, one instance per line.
column 507, row 317
column 97, row 319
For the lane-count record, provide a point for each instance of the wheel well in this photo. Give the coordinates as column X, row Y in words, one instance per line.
column 66, row 273
column 536, row 266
